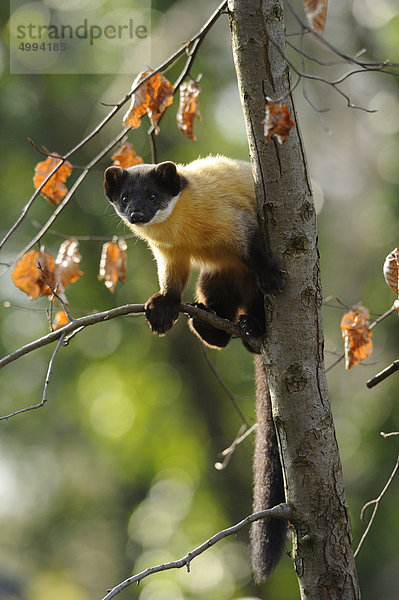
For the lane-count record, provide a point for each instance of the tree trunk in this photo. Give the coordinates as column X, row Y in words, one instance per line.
column 293, row 348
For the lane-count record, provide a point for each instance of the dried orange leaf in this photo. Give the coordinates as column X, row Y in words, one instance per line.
column 357, row 336
column 188, row 108
column 138, row 103
column 37, row 274
column 391, row 270
column 316, row 12
column 60, row 320
column 67, row 263
column 30, row 279
column 54, row 190
column 159, row 100
column 277, row 122
column 126, row 157
column 113, row 264
column 152, row 98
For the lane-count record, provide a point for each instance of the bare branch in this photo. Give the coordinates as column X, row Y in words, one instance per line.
column 281, row 511
column 349, row 59
column 303, row 75
column 46, row 384
column 70, row 328
column 376, row 503
column 333, row 83
column 127, row 309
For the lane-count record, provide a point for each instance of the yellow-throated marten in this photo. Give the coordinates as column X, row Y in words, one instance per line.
column 202, row 214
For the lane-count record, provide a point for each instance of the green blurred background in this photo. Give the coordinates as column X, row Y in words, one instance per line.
column 116, row 472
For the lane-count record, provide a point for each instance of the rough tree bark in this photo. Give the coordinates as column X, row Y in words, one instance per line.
column 293, row 349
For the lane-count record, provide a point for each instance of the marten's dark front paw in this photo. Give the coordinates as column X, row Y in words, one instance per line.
column 251, row 326
column 161, row 311
column 210, row 336
column 271, row 280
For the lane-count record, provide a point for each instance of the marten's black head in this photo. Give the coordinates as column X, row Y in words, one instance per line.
column 144, row 193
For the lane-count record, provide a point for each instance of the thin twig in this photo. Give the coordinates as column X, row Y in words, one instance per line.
column 281, row 511
column 364, row 66
column 228, row 452
column 55, row 295
column 86, row 238
column 387, row 435
column 50, row 369
column 376, row 503
column 301, row 52
column 384, row 315
column 46, row 384
column 192, row 53
column 341, row 303
column 333, row 84
column 47, row 153
column 43, row 151
column 153, row 143
column 187, row 67
column 336, row 362
column 382, row 375
column 393, row 367
column 305, row 93
column 226, row 390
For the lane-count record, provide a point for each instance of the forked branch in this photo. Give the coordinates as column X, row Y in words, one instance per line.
column 281, row 511
column 127, row 309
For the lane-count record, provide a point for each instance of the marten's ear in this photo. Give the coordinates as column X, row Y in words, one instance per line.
column 112, row 178
column 166, row 170
column 167, row 173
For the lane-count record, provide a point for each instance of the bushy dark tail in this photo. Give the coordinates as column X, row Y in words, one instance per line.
column 267, row 535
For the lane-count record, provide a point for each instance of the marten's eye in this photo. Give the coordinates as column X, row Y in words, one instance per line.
column 153, row 196
column 123, row 200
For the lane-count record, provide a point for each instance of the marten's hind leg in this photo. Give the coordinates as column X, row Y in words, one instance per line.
column 219, row 293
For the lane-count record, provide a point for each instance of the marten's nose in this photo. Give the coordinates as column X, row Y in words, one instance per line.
column 136, row 216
